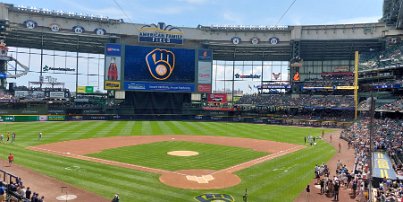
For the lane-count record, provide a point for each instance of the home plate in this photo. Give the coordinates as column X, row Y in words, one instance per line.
column 204, row 179
column 67, row 197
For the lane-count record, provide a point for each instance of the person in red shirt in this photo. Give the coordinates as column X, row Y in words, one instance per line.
column 10, row 159
column 113, row 70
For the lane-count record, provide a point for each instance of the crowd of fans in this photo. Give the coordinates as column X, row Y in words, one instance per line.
column 16, row 191
column 303, row 100
column 389, row 83
column 394, row 106
column 331, row 79
column 6, row 97
column 387, row 137
column 328, row 83
column 390, row 57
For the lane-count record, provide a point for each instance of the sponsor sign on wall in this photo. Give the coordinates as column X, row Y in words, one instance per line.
column 20, row 94
column 204, row 74
column 56, row 94
column 161, row 33
column 168, row 87
column 204, row 88
column 85, row 89
column 217, row 97
column 113, row 68
column 205, row 55
column 56, row 118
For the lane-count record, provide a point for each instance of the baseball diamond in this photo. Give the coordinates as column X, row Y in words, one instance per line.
column 66, row 145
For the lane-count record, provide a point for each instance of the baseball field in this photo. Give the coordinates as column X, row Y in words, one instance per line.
column 131, row 157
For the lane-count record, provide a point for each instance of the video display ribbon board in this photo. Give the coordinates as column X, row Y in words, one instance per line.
column 159, row 69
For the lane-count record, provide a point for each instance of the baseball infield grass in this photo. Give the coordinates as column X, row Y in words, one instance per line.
column 154, row 155
column 281, row 179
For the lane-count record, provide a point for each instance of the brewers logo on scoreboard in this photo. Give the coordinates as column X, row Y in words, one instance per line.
column 160, row 63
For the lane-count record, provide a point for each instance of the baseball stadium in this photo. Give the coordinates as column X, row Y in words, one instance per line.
column 97, row 109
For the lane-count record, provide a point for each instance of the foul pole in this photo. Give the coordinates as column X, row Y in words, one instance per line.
column 356, row 59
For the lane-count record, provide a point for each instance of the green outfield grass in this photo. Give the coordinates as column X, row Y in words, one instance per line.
column 281, row 179
column 154, row 155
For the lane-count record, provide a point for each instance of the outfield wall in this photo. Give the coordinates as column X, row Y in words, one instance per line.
column 176, row 117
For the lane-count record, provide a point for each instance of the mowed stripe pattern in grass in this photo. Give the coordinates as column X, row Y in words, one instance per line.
column 154, row 155
column 277, row 180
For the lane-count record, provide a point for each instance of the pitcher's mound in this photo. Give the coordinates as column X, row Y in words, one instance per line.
column 183, row 153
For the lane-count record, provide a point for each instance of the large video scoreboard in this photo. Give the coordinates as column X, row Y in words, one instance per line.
column 162, row 69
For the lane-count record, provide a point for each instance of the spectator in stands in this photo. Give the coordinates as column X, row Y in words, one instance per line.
column 28, row 193
column 2, row 192
column 34, row 197
column 336, row 190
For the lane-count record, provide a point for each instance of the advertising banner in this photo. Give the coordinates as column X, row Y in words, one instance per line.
column 21, row 94
column 217, row 97
column 205, row 55
column 112, row 85
column 204, row 88
column 56, row 118
column 204, row 74
column 81, row 89
column 89, row 89
column 168, row 87
column 56, row 94
column 345, row 87
column 26, row 118
column 85, row 89
column 113, row 65
column 7, row 118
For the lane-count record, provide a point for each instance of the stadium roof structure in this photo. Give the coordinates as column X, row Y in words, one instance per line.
column 393, row 13
column 55, row 30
